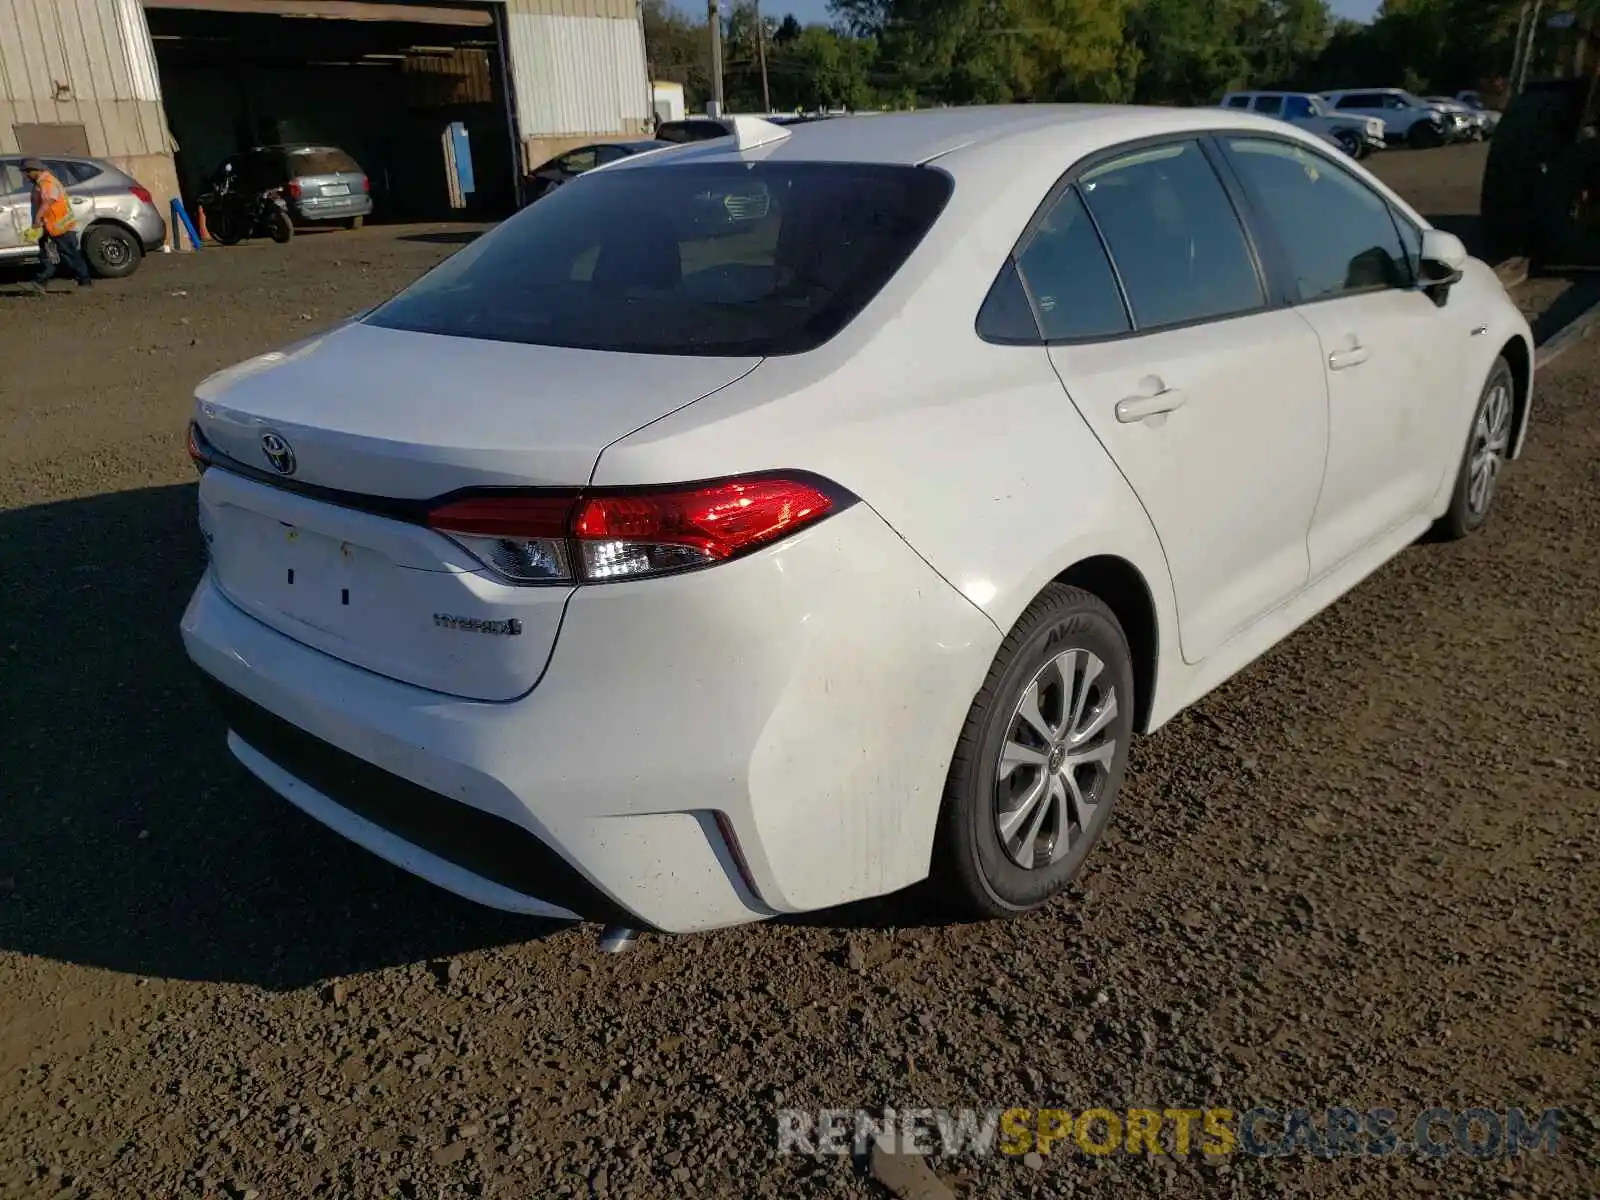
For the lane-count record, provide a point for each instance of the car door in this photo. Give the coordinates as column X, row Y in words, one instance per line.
column 1269, row 104
column 16, row 209
column 72, row 178
column 1210, row 401
column 1365, row 104
column 1352, row 279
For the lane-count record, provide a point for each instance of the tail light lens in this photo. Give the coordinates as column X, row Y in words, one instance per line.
column 197, row 454
column 366, row 184
column 292, row 189
column 142, row 194
column 600, row 536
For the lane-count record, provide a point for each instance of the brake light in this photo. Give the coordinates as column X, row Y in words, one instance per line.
column 142, row 194
column 366, row 184
column 197, row 454
column 628, row 534
column 292, row 189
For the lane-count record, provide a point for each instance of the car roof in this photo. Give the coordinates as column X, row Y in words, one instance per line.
column 913, row 138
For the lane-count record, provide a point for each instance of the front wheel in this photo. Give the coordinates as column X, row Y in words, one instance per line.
column 1488, row 448
column 281, row 227
column 1349, row 142
column 225, row 229
column 1424, row 135
column 1040, row 761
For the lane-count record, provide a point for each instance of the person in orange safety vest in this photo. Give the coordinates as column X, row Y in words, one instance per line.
column 52, row 217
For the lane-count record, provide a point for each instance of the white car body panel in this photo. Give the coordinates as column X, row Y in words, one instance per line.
column 807, row 698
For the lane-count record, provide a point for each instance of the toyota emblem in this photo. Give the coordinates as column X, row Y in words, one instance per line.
column 278, row 453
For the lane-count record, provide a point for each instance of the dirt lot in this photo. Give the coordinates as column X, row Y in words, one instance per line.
column 1362, row 873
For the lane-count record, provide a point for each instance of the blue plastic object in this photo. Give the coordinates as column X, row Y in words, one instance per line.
column 180, row 220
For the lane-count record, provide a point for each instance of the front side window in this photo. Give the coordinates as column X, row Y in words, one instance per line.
column 720, row 259
column 1069, row 276
column 12, row 180
column 1173, row 235
column 1337, row 234
column 1269, row 106
column 1298, row 107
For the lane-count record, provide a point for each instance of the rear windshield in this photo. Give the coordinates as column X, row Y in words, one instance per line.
column 321, row 162
column 691, row 131
column 728, row 259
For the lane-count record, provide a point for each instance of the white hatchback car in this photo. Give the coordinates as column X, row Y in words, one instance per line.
column 770, row 523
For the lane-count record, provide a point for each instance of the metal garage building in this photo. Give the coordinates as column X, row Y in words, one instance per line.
column 167, row 88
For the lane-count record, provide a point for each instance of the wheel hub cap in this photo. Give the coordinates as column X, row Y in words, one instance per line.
column 1055, row 763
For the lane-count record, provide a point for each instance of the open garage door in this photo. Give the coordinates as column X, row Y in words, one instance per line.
column 415, row 93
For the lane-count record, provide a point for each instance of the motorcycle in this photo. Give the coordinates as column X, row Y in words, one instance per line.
column 233, row 214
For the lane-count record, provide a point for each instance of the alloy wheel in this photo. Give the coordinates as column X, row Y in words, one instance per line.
column 1491, row 437
column 1055, row 762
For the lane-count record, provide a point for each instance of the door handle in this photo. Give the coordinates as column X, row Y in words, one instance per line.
column 1137, row 408
column 1353, row 355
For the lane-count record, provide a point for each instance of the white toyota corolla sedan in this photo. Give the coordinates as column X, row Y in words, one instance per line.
column 782, row 520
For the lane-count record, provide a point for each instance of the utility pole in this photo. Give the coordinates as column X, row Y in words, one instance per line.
column 761, row 52
column 714, row 109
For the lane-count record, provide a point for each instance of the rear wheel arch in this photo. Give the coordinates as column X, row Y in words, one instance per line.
column 1123, row 589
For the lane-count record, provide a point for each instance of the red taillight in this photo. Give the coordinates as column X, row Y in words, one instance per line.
column 366, row 184
column 197, row 454
column 629, row 534
column 142, row 194
column 292, row 189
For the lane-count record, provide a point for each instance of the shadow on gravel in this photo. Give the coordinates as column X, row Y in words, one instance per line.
column 131, row 839
column 1582, row 294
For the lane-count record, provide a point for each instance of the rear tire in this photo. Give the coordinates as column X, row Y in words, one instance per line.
column 1348, row 142
column 112, row 252
column 355, row 223
column 1040, row 760
column 282, row 227
column 1484, row 459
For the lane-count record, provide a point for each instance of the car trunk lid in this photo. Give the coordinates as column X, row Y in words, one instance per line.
column 341, row 441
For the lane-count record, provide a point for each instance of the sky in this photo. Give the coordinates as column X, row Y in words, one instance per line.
column 807, row 11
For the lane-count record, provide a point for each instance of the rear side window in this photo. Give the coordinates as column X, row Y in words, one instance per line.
column 72, row 172
column 321, row 161
column 1173, row 235
column 12, row 180
column 1238, row 101
column 729, row 259
column 1336, row 233
column 1269, row 106
column 1069, row 277
column 1360, row 100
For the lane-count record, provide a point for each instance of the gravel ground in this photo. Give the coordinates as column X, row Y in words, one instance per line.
column 1361, row 873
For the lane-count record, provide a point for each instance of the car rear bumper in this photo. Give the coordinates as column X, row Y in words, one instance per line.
column 150, row 227
column 330, row 208
column 768, row 736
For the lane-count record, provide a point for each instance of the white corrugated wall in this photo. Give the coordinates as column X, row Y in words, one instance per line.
column 577, row 74
column 81, row 62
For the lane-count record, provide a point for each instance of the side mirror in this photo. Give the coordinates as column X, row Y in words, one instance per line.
column 1444, row 259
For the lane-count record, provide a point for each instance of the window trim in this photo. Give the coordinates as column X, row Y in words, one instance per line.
column 1277, row 254
column 1237, row 200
